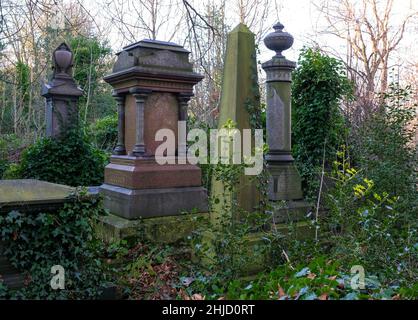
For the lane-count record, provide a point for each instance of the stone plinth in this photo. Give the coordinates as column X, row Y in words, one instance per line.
column 146, row 203
column 153, row 82
column 32, row 195
column 165, row 230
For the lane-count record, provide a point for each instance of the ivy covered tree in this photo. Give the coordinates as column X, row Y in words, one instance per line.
column 90, row 57
column 319, row 85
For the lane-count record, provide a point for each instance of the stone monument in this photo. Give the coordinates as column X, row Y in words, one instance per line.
column 153, row 82
column 238, row 89
column 61, row 93
column 285, row 181
column 31, row 197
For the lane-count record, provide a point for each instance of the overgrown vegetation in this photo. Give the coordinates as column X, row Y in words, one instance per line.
column 10, row 148
column 386, row 149
column 35, row 242
column 104, row 132
column 370, row 210
column 318, row 126
column 69, row 159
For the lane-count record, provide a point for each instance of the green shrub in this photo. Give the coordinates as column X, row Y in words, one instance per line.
column 34, row 242
column 8, row 144
column 105, row 132
column 318, row 279
column 319, row 85
column 4, row 164
column 69, row 160
column 385, row 149
column 370, row 227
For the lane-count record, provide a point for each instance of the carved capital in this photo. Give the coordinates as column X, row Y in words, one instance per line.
column 183, row 99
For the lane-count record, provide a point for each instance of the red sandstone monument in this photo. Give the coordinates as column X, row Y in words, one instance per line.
column 153, row 82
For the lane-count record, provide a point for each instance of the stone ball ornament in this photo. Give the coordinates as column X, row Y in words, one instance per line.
column 63, row 58
column 278, row 40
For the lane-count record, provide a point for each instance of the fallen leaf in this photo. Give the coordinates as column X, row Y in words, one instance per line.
column 281, row 292
column 311, row 276
column 183, row 295
column 198, row 296
column 333, row 278
column 323, row 296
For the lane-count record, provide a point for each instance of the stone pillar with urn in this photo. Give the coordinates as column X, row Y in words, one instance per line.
column 61, row 94
column 285, row 182
column 152, row 82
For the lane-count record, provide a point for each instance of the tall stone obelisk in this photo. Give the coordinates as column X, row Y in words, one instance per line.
column 238, row 89
column 285, row 181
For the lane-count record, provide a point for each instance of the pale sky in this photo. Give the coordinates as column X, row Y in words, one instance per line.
column 300, row 18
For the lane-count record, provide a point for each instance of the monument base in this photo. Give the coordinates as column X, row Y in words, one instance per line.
column 253, row 260
column 136, row 204
column 285, row 182
column 291, row 211
column 290, row 219
column 163, row 230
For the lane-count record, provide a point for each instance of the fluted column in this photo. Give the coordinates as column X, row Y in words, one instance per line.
column 120, row 147
column 183, row 100
column 140, row 98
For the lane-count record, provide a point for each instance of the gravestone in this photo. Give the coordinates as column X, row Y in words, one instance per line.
column 285, row 182
column 153, row 82
column 28, row 196
column 61, row 94
column 238, row 90
column 32, row 196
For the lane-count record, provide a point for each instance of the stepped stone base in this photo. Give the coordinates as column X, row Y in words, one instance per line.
column 135, row 204
column 144, row 173
column 159, row 230
column 256, row 260
column 285, row 182
column 292, row 211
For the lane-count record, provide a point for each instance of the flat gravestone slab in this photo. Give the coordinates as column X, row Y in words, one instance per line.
column 32, row 195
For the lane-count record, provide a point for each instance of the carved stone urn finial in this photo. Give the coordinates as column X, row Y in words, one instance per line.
column 278, row 40
column 63, row 61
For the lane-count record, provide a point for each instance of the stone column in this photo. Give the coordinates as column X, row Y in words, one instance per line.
column 140, row 98
column 120, row 147
column 61, row 94
column 285, row 183
column 183, row 99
